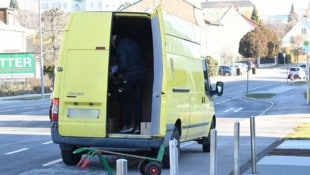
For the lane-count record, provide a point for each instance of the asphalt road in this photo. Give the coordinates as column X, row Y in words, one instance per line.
column 25, row 136
column 28, row 150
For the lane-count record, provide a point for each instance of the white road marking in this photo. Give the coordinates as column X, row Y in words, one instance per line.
column 29, row 112
column 27, row 108
column 46, row 143
column 185, row 144
column 52, row 162
column 224, row 101
column 17, row 151
column 229, row 109
column 23, row 118
column 25, row 131
column 237, row 110
column 7, row 110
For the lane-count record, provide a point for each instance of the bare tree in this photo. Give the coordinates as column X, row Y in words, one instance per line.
column 226, row 56
column 307, row 12
column 292, row 19
column 27, row 18
column 54, row 22
column 296, row 43
column 277, row 26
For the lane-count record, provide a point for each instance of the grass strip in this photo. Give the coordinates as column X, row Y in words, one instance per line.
column 302, row 131
column 260, row 95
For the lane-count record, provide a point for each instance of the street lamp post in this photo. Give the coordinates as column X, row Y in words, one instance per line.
column 41, row 58
column 306, row 48
column 308, row 78
column 284, row 57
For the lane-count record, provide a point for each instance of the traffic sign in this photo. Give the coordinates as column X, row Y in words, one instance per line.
column 17, row 65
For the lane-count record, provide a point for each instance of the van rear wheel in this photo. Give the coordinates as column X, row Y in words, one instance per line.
column 68, row 157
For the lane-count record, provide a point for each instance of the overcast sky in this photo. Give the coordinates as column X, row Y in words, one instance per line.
column 264, row 7
column 280, row 7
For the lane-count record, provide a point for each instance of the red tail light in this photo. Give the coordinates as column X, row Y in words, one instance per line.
column 55, row 109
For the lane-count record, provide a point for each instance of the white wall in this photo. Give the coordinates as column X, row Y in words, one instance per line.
column 297, row 30
column 104, row 5
column 12, row 41
column 234, row 28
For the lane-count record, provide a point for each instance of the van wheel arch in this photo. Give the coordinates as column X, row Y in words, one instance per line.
column 176, row 134
column 206, row 141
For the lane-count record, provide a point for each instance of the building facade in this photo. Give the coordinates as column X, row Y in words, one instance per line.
column 66, row 5
column 13, row 36
column 301, row 29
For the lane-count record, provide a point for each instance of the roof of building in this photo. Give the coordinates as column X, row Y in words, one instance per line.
column 180, row 8
column 215, row 11
column 223, row 4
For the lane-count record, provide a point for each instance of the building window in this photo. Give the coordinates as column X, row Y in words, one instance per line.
column 56, row 5
column 44, row 6
column 304, row 31
column 64, row 5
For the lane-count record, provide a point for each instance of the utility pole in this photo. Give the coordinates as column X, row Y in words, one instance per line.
column 41, row 58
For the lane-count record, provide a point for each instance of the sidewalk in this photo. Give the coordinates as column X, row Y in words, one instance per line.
column 46, row 95
column 285, row 157
column 270, row 130
column 288, row 158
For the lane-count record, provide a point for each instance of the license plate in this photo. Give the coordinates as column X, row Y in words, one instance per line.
column 83, row 113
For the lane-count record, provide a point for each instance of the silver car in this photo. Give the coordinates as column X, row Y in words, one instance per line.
column 296, row 73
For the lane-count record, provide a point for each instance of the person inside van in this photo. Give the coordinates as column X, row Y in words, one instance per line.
column 130, row 70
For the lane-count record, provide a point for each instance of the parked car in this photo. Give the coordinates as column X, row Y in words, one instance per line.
column 296, row 73
column 242, row 68
column 250, row 64
column 304, row 66
column 225, row 70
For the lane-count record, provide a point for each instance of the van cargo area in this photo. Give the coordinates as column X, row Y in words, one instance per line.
column 138, row 29
column 87, row 97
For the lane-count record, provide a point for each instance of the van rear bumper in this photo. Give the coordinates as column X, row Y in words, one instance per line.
column 105, row 142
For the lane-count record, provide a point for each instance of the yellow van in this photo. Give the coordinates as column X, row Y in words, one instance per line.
column 177, row 98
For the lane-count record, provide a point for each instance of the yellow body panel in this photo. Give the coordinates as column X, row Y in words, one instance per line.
column 82, row 75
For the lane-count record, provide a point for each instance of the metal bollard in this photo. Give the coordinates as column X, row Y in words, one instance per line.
column 213, row 146
column 237, row 148
column 253, row 151
column 121, row 167
column 174, row 157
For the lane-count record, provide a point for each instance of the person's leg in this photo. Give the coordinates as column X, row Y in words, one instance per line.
column 138, row 97
column 124, row 98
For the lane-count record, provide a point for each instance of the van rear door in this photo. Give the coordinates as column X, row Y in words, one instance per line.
column 83, row 73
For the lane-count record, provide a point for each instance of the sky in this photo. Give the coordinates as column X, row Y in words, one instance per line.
column 264, row 7
column 280, row 7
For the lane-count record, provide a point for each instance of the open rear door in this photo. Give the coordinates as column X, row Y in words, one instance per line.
column 84, row 75
column 158, row 47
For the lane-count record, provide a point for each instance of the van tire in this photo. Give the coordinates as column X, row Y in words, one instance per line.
column 166, row 157
column 206, row 141
column 69, row 158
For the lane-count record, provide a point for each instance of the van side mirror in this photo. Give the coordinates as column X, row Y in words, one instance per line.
column 219, row 88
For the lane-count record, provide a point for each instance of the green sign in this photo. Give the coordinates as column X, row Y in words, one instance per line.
column 17, row 65
column 306, row 43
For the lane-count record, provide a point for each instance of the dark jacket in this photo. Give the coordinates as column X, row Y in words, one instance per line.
column 129, row 57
